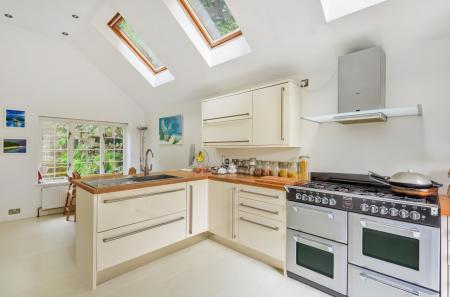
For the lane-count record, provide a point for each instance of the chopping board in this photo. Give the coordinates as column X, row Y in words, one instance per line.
column 277, row 181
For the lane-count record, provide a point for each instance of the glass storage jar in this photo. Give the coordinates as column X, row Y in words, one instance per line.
column 293, row 170
column 283, row 169
column 273, row 169
column 303, row 170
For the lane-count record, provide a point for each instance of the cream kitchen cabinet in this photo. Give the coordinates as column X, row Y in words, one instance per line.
column 222, row 202
column 276, row 115
column 265, row 116
column 197, row 206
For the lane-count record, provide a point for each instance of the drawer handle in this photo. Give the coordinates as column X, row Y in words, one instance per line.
column 141, row 196
column 365, row 277
column 259, row 224
column 261, row 209
column 108, row 239
column 227, row 117
column 260, row 194
column 228, row 141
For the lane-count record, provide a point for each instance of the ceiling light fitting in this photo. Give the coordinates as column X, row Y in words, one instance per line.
column 9, row 16
column 65, row 33
column 75, row 16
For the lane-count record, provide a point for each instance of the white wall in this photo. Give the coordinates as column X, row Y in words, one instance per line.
column 420, row 74
column 47, row 77
column 177, row 156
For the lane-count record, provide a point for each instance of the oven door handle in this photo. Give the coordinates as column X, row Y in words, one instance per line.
column 314, row 243
column 365, row 277
column 329, row 214
column 382, row 227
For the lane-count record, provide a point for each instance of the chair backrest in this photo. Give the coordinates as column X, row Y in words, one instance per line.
column 132, row 171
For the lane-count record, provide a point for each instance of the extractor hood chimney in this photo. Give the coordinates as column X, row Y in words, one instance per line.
column 362, row 90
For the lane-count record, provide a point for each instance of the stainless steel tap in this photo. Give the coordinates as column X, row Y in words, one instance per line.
column 147, row 169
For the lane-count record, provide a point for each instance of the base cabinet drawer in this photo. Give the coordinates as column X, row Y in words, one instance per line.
column 125, row 208
column 264, row 209
column 263, row 194
column 363, row 282
column 123, row 244
column 262, row 234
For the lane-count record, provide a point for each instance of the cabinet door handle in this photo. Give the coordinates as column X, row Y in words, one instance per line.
column 260, row 194
column 233, row 194
column 228, row 141
column 259, row 224
column 141, row 196
column 191, row 201
column 109, row 239
column 226, row 117
column 260, row 209
column 282, row 113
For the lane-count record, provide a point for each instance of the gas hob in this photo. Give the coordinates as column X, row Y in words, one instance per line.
column 358, row 193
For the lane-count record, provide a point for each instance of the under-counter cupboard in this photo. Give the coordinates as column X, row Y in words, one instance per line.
column 117, row 228
column 264, row 116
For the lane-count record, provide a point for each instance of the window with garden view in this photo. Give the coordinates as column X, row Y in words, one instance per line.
column 87, row 148
column 213, row 19
column 127, row 35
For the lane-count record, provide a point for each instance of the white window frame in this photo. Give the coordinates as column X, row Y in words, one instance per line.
column 70, row 145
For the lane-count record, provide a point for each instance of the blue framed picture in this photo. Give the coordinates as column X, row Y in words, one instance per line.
column 14, row 118
column 14, row 146
column 171, row 130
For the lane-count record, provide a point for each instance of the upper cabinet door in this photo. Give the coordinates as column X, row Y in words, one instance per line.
column 269, row 115
column 228, row 108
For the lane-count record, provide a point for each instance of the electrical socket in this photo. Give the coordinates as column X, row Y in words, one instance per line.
column 14, row 211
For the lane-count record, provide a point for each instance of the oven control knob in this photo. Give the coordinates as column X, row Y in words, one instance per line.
column 324, row 200
column 404, row 214
column 332, row 202
column 384, row 210
column 318, row 199
column 373, row 209
column 393, row 212
column 311, row 198
column 414, row 215
column 304, row 197
column 364, row 207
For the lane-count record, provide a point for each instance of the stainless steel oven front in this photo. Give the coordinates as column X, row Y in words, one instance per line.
column 406, row 251
column 318, row 260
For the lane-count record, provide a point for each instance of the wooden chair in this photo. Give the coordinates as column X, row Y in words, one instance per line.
column 71, row 197
column 132, row 171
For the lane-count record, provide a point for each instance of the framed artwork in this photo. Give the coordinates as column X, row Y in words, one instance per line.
column 14, row 118
column 171, row 130
column 14, row 146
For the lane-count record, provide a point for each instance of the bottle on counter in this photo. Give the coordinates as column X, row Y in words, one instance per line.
column 283, row 169
column 303, row 168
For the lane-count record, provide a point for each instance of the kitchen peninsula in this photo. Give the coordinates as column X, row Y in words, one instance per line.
column 125, row 222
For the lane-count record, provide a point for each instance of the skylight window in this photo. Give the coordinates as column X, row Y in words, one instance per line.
column 213, row 19
column 336, row 9
column 126, row 33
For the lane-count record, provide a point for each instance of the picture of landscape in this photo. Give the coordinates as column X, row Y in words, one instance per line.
column 14, row 146
column 14, row 118
column 171, row 130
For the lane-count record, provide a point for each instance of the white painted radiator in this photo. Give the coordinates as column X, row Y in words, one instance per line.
column 54, row 196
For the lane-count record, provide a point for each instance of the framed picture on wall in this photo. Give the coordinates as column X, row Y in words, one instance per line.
column 14, row 146
column 14, row 118
column 171, row 130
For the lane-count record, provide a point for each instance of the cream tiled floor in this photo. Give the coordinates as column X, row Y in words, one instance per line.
column 37, row 260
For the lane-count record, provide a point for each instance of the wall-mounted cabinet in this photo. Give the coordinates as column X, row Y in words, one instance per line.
column 266, row 116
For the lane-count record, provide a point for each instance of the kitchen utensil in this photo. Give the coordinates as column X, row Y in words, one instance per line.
column 409, row 179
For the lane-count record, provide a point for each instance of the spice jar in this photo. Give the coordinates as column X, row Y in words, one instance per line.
column 251, row 166
column 258, row 169
column 303, row 168
column 273, row 169
column 266, row 168
column 283, row 169
column 292, row 170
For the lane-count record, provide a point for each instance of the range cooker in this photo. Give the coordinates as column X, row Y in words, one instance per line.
column 348, row 235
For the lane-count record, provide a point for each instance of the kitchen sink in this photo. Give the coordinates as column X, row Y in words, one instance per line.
column 104, row 183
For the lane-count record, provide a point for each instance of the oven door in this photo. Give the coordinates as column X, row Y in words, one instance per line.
column 406, row 251
column 363, row 282
column 318, row 260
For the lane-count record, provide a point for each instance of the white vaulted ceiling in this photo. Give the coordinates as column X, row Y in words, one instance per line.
column 288, row 38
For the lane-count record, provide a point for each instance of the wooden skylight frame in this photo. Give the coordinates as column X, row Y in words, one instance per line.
column 113, row 24
column 203, row 31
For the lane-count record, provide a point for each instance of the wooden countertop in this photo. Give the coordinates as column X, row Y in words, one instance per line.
column 184, row 176
column 444, row 202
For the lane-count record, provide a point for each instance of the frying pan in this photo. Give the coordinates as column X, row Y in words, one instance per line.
column 409, row 183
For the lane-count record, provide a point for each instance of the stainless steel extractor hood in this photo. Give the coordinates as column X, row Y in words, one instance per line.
column 362, row 89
